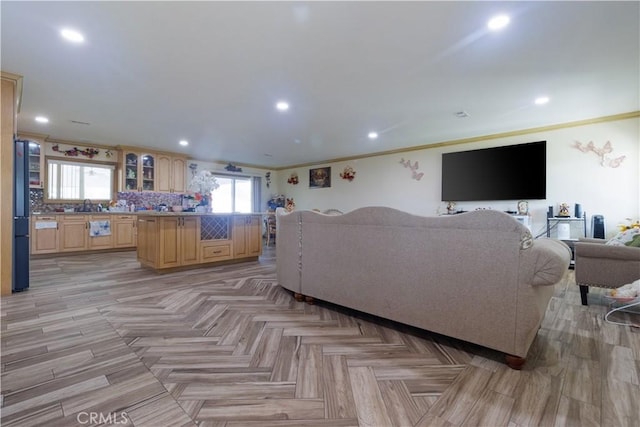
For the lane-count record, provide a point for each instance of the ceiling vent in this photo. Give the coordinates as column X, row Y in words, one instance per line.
column 79, row 122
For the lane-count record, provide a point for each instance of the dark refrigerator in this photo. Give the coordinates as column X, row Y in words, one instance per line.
column 21, row 217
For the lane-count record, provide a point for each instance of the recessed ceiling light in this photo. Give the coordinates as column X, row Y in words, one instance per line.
column 541, row 100
column 72, row 35
column 183, row 142
column 42, row 119
column 372, row 135
column 282, row 106
column 461, row 114
column 498, row 22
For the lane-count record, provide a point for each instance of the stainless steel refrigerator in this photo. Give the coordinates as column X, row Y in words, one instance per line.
column 21, row 217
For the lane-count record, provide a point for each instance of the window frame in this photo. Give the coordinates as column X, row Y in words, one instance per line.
column 94, row 163
column 233, row 192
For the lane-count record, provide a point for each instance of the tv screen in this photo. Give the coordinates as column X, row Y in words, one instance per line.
column 512, row 172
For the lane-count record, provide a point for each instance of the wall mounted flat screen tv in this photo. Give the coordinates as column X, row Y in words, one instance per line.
column 511, row 172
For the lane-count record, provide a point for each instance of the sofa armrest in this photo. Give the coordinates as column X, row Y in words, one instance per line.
column 600, row 250
column 546, row 262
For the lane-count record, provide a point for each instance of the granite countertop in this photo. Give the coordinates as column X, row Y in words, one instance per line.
column 150, row 213
column 155, row 213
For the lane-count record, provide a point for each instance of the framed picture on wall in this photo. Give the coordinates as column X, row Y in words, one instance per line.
column 320, row 177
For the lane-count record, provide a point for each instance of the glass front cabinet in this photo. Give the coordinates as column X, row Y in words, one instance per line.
column 139, row 171
column 36, row 175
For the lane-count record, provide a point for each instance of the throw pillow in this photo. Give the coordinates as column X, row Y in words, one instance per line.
column 623, row 237
column 634, row 242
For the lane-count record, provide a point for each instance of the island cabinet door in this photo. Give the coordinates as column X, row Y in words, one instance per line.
column 190, row 240
column 247, row 236
column 169, row 242
column 147, row 241
column 179, row 241
column 254, row 236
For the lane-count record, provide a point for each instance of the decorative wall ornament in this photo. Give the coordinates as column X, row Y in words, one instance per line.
column 293, row 179
column 232, row 168
column 75, row 151
column 267, row 177
column 348, row 173
column 414, row 174
column 607, row 148
column 194, row 169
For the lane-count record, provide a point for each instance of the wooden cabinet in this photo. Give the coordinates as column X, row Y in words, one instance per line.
column 179, row 241
column 36, row 164
column 138, row 171
column 169, row 241
column 100, row 241
column 124, row 231
column 44, row 235
column 71, row 233
column 74, row 233
column 171, row 173
column 147, row 247
column 247, row 236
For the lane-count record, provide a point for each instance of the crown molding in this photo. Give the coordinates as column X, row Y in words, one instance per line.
column 611, row 118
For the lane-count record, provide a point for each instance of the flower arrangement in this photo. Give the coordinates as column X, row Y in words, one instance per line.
column 293, row 179
column 630, row 224
column 348, row 173
column 203, row 182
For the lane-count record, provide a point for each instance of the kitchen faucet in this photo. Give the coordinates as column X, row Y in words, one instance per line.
column 87, row 205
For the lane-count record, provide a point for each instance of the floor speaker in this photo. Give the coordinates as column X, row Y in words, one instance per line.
column 597, row 226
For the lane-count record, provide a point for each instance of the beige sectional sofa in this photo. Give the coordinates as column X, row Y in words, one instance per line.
column 477, row 276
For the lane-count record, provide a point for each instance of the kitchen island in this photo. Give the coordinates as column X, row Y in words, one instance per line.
column 168, row 240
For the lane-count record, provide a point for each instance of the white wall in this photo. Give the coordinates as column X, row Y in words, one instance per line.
column 572, row 177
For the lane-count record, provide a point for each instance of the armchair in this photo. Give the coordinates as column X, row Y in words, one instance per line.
column 604, row 266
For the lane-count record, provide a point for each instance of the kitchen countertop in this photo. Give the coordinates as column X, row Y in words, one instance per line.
column 150, row 213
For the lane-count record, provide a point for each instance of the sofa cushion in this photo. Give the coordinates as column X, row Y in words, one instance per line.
column 634, row 242
column 623, row 237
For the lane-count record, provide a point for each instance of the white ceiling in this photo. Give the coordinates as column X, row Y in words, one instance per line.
column 151, row 73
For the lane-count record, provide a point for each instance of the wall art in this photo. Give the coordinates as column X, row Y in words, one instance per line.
column 320, row 177
column 607, row 148
column 414, row 169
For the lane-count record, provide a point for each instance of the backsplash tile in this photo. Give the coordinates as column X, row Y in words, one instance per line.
column 139, row 199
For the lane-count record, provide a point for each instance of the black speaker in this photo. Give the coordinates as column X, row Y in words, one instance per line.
column 597, row 226
column 578, row 211
column 550, row 212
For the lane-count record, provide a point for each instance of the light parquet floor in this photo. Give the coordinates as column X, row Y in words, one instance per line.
column 99, row 341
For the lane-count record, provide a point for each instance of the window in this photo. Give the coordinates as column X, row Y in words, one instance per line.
column 235, row 194
column 69, row 180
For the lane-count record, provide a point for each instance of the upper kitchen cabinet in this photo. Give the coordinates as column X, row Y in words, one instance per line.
column 138, row 171
column 171, row 173
column 36, row 161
